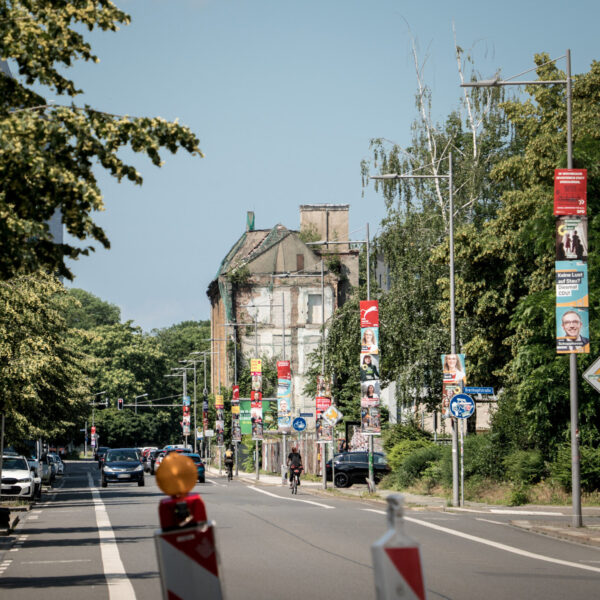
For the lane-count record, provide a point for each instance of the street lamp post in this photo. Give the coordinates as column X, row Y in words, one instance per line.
column 455, row 458
column 574, row 400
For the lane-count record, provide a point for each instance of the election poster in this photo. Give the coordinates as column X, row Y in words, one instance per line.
column 571, row 238
column 284, row 396
column 236, row 430
column 570, row 191
column 370, row 387
column 220, row 419
column 572, row 330
column 256, row 411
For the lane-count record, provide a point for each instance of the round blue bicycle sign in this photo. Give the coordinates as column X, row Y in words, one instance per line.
column 462, row 406
column 299, row 424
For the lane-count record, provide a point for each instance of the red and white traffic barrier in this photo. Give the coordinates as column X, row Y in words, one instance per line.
column 186, row 548
column 397, row 560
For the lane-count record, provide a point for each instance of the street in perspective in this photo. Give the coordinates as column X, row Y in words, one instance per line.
column 327, row 329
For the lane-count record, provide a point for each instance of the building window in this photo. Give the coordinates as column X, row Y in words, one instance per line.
column 314, row 308
column 299, row 262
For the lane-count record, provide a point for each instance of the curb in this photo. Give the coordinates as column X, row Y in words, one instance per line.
column 584, row 535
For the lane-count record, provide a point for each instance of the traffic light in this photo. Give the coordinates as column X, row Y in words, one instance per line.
column 120, row 403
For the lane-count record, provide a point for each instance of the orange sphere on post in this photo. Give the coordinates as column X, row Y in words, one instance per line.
column 177, row 474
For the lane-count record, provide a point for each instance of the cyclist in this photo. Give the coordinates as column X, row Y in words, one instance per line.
column 294, row 462
column 229, row 462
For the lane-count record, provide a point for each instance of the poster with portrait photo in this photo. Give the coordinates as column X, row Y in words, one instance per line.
column 369, row 367
column 453, row 367
column 571, row 238
column 256, row 383
column 572, row 330
column 449, row 390
column 370, row 389
column 369, row 340
column 370, row 419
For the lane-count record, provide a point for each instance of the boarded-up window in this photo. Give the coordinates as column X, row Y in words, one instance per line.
column 299, row 262
column 314, row 309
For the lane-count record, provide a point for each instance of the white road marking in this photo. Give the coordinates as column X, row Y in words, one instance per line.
column 543, row 513
column 497, row 545
column 511, row 549
column 251, row 487
column 52, row 562
column 33, row 517
column 491, row 521
column 215, row 482
column 119, row 586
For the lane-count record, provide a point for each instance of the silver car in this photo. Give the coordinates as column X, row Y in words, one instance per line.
column 59, row 464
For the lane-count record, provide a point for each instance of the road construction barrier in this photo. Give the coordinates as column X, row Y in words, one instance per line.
column 396, row 559
column 185, row 545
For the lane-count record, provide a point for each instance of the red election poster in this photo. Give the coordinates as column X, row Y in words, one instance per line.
column 570, row 191
column 369, row 313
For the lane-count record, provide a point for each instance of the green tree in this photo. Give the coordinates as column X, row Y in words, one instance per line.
column 44, row 376
column 49, row 154
column 89, row 311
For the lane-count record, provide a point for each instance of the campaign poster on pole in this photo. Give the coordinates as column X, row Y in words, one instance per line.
column 236, row 430
column 571, row 238
column 453, row 379
column 220, row 420
column 323, row 430
column 570, row 191
column 284, row 396
column 572, row 330
column 256, row 416
column 370, row 387
column 245, row 418
column 256, row 409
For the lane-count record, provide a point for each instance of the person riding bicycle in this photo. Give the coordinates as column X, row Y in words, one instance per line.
column 294, row 462
column 229, row 460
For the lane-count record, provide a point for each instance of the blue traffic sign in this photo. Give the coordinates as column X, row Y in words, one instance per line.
column 462, row 406
column 479, row 390
column 299, row 424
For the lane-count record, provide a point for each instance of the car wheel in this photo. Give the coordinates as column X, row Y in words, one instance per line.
column 341, row 480
column 104, row 482
column 141, row 482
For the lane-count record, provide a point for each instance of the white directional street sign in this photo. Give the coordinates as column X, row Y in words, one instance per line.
column 592, row 374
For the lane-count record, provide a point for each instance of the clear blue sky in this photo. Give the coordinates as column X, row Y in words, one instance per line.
column 285, row 97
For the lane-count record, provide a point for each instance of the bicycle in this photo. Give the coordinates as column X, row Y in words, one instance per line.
column 295, row 479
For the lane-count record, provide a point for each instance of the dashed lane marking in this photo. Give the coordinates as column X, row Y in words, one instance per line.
column 251, row 487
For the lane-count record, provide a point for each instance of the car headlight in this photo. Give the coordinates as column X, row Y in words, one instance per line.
column 24, row 480
column 108, row 470
column 139, row 468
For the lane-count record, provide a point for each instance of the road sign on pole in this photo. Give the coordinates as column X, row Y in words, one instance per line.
column 462, row 406
column 592, row 374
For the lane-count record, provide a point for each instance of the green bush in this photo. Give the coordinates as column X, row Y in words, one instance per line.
column 395, row 434
column 524, row 466
column 482, row 458
column 589, row 467
column 417, row 463
column 519, row 495
column 397, row 455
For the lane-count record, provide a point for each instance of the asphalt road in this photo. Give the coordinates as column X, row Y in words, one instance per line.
column 274, row 546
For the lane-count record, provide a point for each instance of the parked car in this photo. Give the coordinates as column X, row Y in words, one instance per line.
column 18, row 478
column 37, row 467
column 199, row 465
column 60, row 465
column 353, row 467
column 157, row 460
column 121, row 465
column 100, row 454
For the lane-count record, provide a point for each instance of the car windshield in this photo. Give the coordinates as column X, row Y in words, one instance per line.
column 14, row 463
column 122, row 456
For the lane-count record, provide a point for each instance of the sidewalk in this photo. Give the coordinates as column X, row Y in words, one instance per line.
column 559, row 528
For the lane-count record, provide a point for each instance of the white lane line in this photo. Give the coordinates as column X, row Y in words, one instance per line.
column 543, row 513
column 497, row 545
column 33, row 517
column 52, row 562
column 251, row 487
column 491, row 521
column 119, row 586
column 215, row 483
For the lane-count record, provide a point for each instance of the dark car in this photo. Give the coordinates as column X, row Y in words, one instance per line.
column 122, row 465
column 100, row 454
column 199, row 465
column 353, row 467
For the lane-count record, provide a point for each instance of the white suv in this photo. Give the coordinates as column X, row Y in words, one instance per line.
column 17, row 478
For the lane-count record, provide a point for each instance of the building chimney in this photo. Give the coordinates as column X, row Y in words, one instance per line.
column 250, row 220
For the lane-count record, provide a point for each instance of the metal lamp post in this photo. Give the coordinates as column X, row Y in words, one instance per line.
column 455, row 458
column 574, row 400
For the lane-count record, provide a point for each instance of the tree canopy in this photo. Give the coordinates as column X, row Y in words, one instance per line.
column 50, row 153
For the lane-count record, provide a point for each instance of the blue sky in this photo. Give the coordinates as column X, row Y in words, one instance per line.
column 285, row 97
